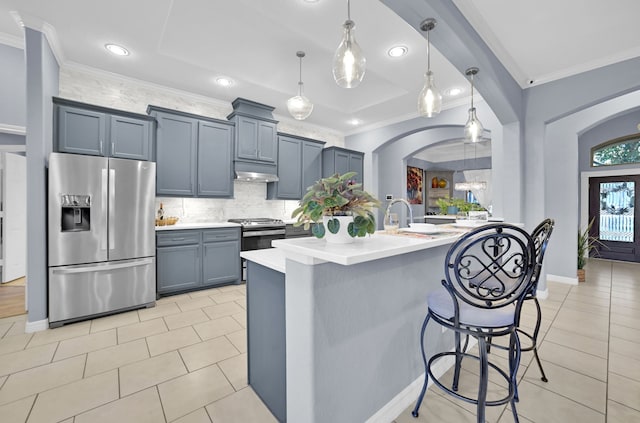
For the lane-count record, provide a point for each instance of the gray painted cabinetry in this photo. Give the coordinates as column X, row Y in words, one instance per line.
column 92, row 130
column 193, row 155
column 197, row 258
column 299, row 166
column 341, row 160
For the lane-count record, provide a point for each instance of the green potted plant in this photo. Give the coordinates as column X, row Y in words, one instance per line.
column 586, row 243
column 337, row 205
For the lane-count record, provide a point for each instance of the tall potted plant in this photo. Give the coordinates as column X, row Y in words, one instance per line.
column 338, row 208
column 586, row 243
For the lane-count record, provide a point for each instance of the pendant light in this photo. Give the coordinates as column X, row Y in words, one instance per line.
column 299, row 106
column 473, row 129
column 348, row 62
column 430, row 99
column 474, row 185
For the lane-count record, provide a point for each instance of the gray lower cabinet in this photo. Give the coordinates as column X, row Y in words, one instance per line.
column 299, row 166
column 193, row 155
column 93, row 130
column 197, row 258
column 341, row 160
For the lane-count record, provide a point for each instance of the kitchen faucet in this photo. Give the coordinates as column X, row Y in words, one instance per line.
column 403, row 201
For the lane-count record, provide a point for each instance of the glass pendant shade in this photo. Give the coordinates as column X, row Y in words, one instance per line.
column 430, row 99
column 299, row 106
column 348, row 63
column 473, row 129
column 470, row 186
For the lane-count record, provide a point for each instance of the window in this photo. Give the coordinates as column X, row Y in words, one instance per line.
column 625, row 150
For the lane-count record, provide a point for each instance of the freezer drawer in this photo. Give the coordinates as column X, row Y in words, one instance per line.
column 77, row 292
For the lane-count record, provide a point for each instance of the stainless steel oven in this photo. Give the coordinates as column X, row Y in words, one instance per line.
column 257, row 233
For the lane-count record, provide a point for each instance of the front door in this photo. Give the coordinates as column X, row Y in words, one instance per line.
column 613, row 208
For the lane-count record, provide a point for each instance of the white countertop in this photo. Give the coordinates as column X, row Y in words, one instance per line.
column 200, row 225
column 380, row 245
column 272, row 258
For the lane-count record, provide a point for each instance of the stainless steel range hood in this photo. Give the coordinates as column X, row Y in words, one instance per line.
column 255, row 176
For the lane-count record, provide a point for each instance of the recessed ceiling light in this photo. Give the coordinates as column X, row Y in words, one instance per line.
column 223, row 81
column 398, row 51
column 452, row 92
column 311, row 1
column 354, row 122
column 117, row 50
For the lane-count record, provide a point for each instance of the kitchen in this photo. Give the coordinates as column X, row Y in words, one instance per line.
column 87, row 87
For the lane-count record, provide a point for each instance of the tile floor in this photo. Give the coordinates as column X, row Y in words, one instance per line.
column 185, row 361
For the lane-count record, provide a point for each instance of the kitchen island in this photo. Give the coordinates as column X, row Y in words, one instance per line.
column 333, row 330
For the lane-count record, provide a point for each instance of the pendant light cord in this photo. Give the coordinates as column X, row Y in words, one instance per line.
column 472, row 91
column 428, row 53
column 348, row 10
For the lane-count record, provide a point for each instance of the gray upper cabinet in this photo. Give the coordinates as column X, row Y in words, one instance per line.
column 256, row 140
column 299, row 166
column 93, row 130
column 215, row 159
column 193, row 155
column 341, row 160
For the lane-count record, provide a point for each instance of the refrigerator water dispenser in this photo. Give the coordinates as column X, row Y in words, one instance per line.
column 76, row 213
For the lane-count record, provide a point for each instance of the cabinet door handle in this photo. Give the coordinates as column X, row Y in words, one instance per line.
column 113, row 147
column 177, row 239
column 101, row 152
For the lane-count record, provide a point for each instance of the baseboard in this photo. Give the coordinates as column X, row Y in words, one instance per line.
column 409, row 395
column 562, row 279
column 36, row 326
column 542, row 295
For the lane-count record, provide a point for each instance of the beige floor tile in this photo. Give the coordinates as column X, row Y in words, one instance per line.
column 14, row 343
column 625, row 366
column 84, row 344
column 60, row 334
column 187, row 393
column 586, row 390
column 241, row 318
column 624, row 391
column 598, row 301
column 598, row 330
column 141, row 330
column 624, row 302
column 631, row 322
column 618, row 413
column 507, row 417
column 228, row 288
column 18, row 328
column 173, row 298
column 577, row 341
column 26, row 359
column 229, row 296
column 160, row 310
column 42, row 378
column 2, row 380
column 590, row 308
column 143, row 407
column 624, row 332
column 194, row 303
column 624, row 347
column 17, row 411
column 172, row 340
column 72, row 399
column 626, row 311
column 116, row 356
column 239, row 340
column 436, row 408
column 240, row 407
column 198, row 416
column 204, row 292
column 541, row 405
column 206, row 353
column 115, row 321
column 186, row 318
column 578, row 361
column 235, row 369
column 12, row 319
column 215, row 328
column 242, row 303
column 221, row 310
column 143, row 374
column 4, row 327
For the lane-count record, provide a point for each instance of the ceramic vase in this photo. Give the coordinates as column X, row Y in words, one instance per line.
column 342, row 236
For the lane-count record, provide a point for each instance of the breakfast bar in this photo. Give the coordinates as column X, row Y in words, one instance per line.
column 333, row 330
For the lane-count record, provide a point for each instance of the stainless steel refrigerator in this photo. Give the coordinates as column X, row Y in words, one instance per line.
column 101, row 214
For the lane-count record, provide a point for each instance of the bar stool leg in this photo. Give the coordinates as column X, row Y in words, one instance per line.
column 414, row 413
column 535, row 340
column 484, row 379
column 458, row 364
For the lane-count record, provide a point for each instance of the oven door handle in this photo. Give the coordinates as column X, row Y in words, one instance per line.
column 247, row 234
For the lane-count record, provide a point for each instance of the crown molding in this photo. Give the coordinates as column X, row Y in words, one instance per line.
column 5, row 128
column 37, row 24
column 12, row 40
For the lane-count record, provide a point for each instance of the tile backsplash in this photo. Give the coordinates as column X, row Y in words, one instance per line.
column 249, row 201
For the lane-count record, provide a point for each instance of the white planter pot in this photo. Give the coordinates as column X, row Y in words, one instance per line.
column 342, row 237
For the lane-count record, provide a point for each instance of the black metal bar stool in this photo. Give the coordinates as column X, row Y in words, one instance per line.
column 488, row 272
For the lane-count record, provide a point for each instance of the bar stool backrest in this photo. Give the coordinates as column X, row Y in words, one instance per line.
column 491, row 266
column 540, row 235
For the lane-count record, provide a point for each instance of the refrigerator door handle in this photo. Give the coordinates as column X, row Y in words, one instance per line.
column 112, row 207
column 103, row 233
column 108, row 267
